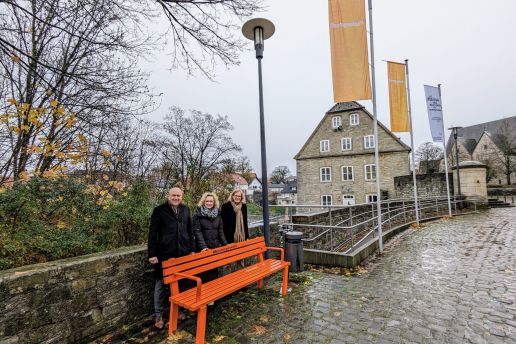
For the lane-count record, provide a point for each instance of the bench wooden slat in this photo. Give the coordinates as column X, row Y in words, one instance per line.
column 244, row 277
column 185, row 259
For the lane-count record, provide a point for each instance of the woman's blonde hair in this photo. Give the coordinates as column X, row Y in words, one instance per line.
column 206, row 195
column 230, row 198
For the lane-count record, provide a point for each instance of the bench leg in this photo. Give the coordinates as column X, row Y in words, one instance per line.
column 201, row 325
column 260, row 284
column 172, row 321
column 284, row 285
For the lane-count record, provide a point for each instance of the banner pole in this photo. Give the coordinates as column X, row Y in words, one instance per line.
column 416, row 202
column 444, row 153
column 376, row 141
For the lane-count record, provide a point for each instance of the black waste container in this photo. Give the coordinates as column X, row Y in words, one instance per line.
column 294, row 250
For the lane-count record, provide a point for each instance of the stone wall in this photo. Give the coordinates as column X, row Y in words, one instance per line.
column 428, row 185
column 75, row 300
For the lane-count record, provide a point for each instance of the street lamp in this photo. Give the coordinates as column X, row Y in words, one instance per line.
column 258, row 30
column 455, row 135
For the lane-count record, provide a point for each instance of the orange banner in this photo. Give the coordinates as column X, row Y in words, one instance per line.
column 398, row 97
column 349, row 55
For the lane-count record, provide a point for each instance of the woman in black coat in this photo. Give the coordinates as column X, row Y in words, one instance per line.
column 234, row 217
column 208, row 230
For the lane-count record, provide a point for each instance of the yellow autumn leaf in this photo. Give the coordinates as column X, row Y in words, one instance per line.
column 103, row 192
column 4, row 118
column 25, row 106
column 25, row 128
column 12, row 101
column 2, row 189
column 105, row 153
column 24, row 176
column 15, row 58
column 218, row 338
column 54, row 103
column 105, row 177
column 60, row 224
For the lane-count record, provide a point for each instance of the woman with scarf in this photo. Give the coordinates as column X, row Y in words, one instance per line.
column 234, row 217
column 208, row 230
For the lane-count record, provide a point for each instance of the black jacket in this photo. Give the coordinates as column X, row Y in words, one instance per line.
column 208, row 232
column 170, row 235
column 229, row 220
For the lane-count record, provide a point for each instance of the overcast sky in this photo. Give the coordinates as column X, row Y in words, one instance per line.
column 466, row 45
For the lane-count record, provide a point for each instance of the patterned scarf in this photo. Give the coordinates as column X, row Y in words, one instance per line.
column 239, row 223
column 209, row 213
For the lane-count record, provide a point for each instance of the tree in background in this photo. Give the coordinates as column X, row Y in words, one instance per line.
column 428, row 157
column 198, row 145
column 279, row 174
column 503, row 153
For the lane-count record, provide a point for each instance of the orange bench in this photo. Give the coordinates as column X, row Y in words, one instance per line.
column 197, row 298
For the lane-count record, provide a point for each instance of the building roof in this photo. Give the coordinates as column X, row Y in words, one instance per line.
column 341, row 107
column 350, row 106
column 237, row 178
column 290, row 187
column 469, row 136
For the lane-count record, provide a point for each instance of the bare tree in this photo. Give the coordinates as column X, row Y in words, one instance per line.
column 428, row 156
column 279, row 174
column 74, row 57
column 197, row 145
column 503, row 152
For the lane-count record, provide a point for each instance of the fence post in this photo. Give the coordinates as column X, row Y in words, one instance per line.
column 352, row 243
column 329, row 208
column 331, row 239
column 350, row 216
column 404, row 212
column 389, row 212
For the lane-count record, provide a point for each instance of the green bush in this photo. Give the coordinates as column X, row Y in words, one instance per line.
column 43, row 220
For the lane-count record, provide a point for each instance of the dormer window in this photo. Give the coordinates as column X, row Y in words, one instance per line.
column 336, row 122
column 354, row 119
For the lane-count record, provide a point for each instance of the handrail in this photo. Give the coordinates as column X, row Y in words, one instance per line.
column 402, row 208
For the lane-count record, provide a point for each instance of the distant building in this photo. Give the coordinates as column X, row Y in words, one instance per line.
column 289, row 193
column 336, row 165
column 490, row 143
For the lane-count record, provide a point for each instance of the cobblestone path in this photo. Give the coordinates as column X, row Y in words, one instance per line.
column 453, row 281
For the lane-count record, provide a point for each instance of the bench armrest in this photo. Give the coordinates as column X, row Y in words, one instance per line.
column 282, row 252
column 193, row 278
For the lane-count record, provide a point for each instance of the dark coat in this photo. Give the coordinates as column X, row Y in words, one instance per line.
column 170, row 235
column 229, row 221
column 208, row 232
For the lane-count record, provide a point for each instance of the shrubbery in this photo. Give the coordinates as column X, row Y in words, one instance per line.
column 45, row 219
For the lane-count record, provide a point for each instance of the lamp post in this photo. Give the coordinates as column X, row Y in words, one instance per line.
column 455, row 135
column 258, row 30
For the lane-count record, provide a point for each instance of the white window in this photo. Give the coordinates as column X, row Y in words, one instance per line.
column 371, row 198
column 345, row 143
column 370, row 172
column 347, row 173
column 324, row 145
column 325, row 174
column 326, row 200
column 369, row 141
column 348, row 199
column 354, row 119
column 336, row 122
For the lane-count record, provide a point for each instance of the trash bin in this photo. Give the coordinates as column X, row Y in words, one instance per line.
column 294, row 250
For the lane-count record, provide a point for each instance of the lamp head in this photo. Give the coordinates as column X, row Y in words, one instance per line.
column 258, row 30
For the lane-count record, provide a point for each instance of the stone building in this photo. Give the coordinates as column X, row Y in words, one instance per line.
column 336, row 164
column 492, row 143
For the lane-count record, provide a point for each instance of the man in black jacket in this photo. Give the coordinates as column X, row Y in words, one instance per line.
column 170, row 236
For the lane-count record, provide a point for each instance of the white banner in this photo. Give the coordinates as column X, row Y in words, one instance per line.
column 435, row 113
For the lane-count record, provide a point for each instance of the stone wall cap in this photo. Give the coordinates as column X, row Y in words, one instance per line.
column 470, row 164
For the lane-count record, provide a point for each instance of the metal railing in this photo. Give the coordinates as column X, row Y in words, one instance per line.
column 346, row 228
